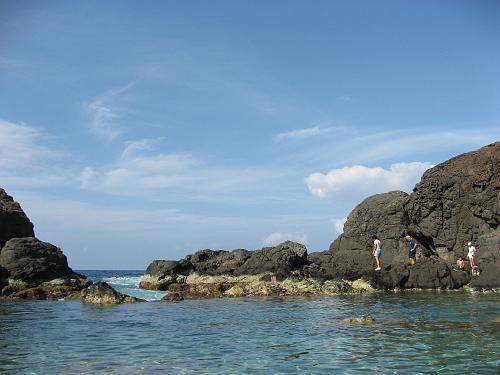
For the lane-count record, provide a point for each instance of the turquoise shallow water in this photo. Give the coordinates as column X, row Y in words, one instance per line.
column 443, row 333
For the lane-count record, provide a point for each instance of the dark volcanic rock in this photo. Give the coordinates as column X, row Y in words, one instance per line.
column 457, row 201
column 219, row 262
column 382, row 215
column 33, row 261
column 169, row 267
column 103, row 294
column 280, row 260
column 173, row 297
column 427, row 273
column 13, row 220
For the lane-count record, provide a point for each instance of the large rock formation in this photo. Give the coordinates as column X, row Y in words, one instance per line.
column 382, row 215
column 13, row 220
column 33, row 261
column 455, row 202
column 32, row 269
column 280, row 261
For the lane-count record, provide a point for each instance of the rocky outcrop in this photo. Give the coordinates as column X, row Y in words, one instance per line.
column 30, row 268
column 33, row 261
column 428, row 273
column 102, row 294
column 173, row 297
column 382, row 215
column 271, row 271
column 61, row 288
column 197, row 286
column 280, row 261
column 457, row 201
column 13, row 220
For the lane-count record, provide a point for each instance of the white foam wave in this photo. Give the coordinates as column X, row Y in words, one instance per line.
column 130, row 281
column 130, row 285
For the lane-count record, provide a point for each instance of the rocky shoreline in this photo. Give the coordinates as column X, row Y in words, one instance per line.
column 455, row 202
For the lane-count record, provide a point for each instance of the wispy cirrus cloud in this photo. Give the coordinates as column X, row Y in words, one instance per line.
column 103, row 116
column 23, row 146
column 86, row 176
column 362, row 181
column 403, row 142
column 143, row 171
column 299, row 133
column 28, row 157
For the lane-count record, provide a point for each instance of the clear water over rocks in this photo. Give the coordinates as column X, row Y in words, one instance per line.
column 420, row 332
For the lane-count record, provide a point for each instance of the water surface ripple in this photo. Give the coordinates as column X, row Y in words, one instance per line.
column 420, row 333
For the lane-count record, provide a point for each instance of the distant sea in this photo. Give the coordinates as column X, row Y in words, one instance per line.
column 414, row 333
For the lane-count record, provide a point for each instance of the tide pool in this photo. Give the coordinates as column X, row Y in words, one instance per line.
column 413, row 333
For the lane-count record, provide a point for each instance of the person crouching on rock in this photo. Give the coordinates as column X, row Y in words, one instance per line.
column 377, row 251
column 411, row 246
column 472, row 255
column 461, row 263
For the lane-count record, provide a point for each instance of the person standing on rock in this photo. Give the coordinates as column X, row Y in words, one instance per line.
column 411, row 246
column 472, row 255
column 377, row 251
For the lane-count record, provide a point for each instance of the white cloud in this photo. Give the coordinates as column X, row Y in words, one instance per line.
column 86, row 176
column 102, row 121
column 23, row 146
column 102, row 116
column 338, row 225
column 405, row 142
column 276, row 238
column 142, row 172
column 299, row 133
column 363, row 180
column 133, row 147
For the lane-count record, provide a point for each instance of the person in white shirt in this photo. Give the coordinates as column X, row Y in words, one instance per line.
column 377, row 251
column 472, row 255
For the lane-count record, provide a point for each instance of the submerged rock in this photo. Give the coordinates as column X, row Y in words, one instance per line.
column 173, row 297
column 359, row 320
column 103, row 294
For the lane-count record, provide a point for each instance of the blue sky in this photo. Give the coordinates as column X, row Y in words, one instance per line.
column 131, row 132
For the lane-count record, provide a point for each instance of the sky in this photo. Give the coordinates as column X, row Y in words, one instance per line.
column 134, row 131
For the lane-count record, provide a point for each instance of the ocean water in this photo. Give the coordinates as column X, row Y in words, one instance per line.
column 414, row 333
